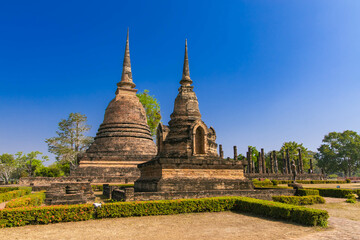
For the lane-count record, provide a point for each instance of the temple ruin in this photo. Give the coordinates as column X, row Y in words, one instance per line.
column 123, row 139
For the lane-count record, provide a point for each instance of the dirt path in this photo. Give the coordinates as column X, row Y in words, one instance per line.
column 339, row 228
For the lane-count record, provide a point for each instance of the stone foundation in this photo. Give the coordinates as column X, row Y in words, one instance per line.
column 128, row 194
column 69, row 193
column 43, row 181
column 192, row 173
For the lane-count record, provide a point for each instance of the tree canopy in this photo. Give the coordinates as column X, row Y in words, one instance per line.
column 340, row 151
column 71, row 139
column 152, row 109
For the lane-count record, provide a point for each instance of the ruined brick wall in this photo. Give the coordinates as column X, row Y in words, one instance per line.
column 265, row 194
column 274, row 176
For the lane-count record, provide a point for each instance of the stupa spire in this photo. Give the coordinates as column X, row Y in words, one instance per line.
column 126, row 76
column 185, row 80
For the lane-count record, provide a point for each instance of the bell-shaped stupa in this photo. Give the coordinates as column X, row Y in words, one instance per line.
column 123, row 139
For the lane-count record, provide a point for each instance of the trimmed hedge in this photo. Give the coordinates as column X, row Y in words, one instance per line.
column 264, row 183
column 100, row 187
column 335, row 192
column 307, row 192
column 8, row 189
column 306, row 216
column 314, row 181
column 299, row 200
column 34, row 199
column 14, row 194
column 45, row 215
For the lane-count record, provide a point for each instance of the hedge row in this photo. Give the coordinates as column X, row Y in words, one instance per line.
column 307, row 192
column 313, row 181
column 8, row 189
column 264, row 183
column 299, row 200
column 45, row 215
column 34, row 199
column 335, row 192
column 100, row 187
column 14, row 194
column 306, row 216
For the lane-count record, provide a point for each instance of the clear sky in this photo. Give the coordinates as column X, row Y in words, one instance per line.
column 265, row 72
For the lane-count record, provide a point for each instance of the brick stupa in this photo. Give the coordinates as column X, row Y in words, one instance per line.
column 123, row 139
column 187, row 159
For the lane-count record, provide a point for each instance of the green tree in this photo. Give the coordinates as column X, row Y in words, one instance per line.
column 29, row 162
column 70, row 139
column 340, row 152
column 53, row 170
column 7, row 167
column 294, row 154
column 152, row 109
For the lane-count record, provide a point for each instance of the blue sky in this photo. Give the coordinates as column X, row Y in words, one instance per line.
column 265, row 72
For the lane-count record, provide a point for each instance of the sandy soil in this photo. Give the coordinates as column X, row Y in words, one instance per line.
column 222, row 225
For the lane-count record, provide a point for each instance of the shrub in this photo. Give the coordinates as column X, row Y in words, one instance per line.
column 350, row 200
column 275, row 182
column 14, row 194
column 34, row 199
column 299, row 200
column 44, row 215
column 312, row 217
column 314, row 181
column 348, row 180
column 307, row 192
column 8, row 189
column 264, row 183
column 334, row 192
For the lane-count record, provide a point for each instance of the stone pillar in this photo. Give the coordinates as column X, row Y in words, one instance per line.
column 221, row 151
column 285, row 167
column 248, row 158
column 263, row 161
column 288, row 161
column 253, row 170
column 235, row 153
column 260, row 167
column 271, row 163
column 250, row 161
column 311, row 166
column 276, row 166
column 301, row 165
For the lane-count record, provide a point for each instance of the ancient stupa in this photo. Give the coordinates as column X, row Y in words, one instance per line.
column 123, row 139
column 187, row 158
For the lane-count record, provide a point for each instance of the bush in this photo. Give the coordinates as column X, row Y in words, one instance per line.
column 34, row 199
column 8, row 189
column 299, row 200
column 314, row 181
column 312, row 217
column 44, row 215
column 335, row 192
column 14, row 194
column 350, row 200
column 264, row 183
column 275, row 182
column 307, row 192
column 348, row 180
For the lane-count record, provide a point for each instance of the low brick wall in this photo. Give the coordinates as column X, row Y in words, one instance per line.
column 128, row 194
column 274, row 176
column 93, row 180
